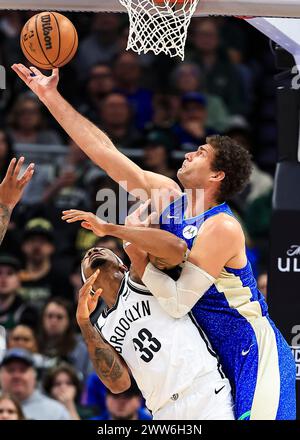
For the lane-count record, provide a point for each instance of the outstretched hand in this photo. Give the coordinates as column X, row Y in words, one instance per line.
column 86, row 301
column 40, row 84
column 88, row 221
column 12, row 186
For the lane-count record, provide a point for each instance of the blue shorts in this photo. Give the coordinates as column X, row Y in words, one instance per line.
column 265, row 375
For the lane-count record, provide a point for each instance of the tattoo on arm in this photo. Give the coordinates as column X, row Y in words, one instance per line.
column 5, row 214
column 107, row 362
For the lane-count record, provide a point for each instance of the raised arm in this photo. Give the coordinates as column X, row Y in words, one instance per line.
column 108, row 365
column 94, row 142
column 11, row 190
column 168, row 248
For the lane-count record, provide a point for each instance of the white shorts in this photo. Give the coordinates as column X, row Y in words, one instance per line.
column 209, row 398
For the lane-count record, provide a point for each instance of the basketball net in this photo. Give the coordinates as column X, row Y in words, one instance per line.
column 159, row 25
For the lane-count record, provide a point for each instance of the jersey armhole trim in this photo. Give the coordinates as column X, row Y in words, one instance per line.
column 135, row 289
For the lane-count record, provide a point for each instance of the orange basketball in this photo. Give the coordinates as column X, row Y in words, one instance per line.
column 49, row 40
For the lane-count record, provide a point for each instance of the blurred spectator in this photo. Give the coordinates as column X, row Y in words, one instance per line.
column 23, row 336
column 57, row 337
column 62, row 384
column 27, row 124
column 101, row 46
column 40, row 278
column 125, row 406
column 99, row 84
column 166, row 107
column 18, row 378
column 260, row 181
column 13, row 308
column 68, row 191
column 158, row 147
column 191, row 130
column 221, row 76
column 187, row 78
column 116, row 120
column 10, row 409
column 128, row 75
column 74, row 171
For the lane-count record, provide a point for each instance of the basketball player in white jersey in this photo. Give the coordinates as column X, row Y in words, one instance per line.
column 170, row 359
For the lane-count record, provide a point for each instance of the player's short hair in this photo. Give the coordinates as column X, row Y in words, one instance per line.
column 235, row 161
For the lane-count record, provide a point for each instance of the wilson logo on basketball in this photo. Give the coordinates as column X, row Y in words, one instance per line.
column 290, row 263
column 47, row 28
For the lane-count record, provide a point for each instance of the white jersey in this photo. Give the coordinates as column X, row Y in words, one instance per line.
column 165, row 355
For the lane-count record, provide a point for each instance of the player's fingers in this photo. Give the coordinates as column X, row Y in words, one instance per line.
column 27, row 175
column 20, row 74
column 152, row 219
column 71, row 213
column 88, row 285
column 11, row 167
column 35, row 70
column 76, row 218
column 24, row 71
column 55, row 72
column 18, row 167
column 28, row 169
column 144, row 207
column 96, row 296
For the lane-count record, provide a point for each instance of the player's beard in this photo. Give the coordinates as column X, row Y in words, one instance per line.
column 98, row 262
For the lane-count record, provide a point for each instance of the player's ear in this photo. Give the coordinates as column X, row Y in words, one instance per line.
column 217, row 176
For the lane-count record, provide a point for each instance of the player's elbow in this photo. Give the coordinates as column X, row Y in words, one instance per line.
column 120, row 386
column 179, row 252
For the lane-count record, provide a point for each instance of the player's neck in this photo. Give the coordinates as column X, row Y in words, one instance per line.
column 111, row 292
column 198, row 201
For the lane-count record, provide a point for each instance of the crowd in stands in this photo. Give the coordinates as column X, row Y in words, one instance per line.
column 155, row 109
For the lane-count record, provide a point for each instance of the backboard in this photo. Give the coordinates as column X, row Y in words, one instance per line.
column 258, row 8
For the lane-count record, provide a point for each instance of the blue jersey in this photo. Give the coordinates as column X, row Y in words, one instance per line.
column 234, row 315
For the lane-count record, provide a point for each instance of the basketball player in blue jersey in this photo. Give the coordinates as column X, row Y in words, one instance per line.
column 216, row 281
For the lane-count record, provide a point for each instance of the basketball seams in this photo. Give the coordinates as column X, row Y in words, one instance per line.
column 38, row 37
column 59, row 43
column 71, row 51
column 32, row 58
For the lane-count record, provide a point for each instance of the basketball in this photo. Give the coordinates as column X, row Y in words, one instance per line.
column 49, row 40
